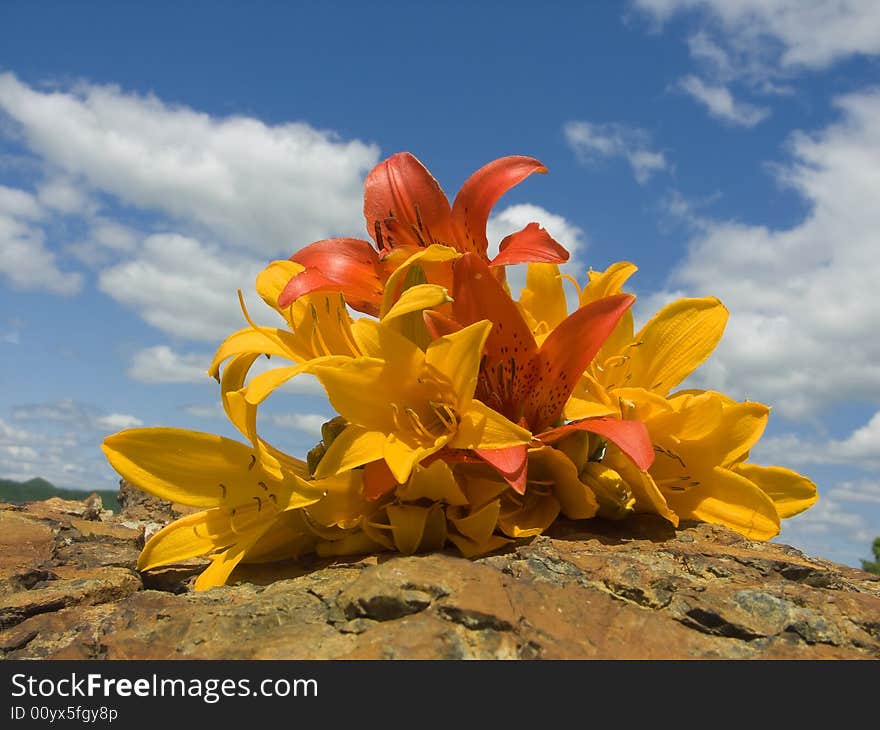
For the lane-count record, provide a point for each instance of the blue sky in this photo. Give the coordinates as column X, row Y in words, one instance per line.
column 154, row 157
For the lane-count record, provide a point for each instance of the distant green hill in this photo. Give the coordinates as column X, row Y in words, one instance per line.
column 36, row 489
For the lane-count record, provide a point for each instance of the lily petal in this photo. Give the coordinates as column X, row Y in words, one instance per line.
column 556, row 369
column 530, row 245
column 483, row 428
column 510, row 463
column 729, row 499
column 480, row 192
column 791, row 492
column 675, row 342
column 189, row 467
column 355, row 446
column 479, row 524
column 457, row 357
column 435, row 483
column 272, row 280
column 349, row 265
column 544, row 297
column 631, row 437
column 402, row 189
column 531, row 519
column 407, row 526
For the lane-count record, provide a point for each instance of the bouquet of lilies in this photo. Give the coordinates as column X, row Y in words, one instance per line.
column 466, row 418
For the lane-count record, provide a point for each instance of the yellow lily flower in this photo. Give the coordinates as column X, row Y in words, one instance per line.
column 404, row 404
column 701, row 439
column 243, row 499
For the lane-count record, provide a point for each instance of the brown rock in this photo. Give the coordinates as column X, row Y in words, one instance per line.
column 589, row 590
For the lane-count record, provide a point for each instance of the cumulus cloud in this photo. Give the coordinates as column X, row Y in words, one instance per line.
column 802, row 328
column 308, row 423
column 720, row 103
column 792, row 33
column 25, row 260
column 185, row 288
column 162, row 364
column 118, row 421
column 592, row 142
column 269, row 188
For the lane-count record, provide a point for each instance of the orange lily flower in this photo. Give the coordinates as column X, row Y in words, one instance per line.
column 406, row 210
column 530, row 384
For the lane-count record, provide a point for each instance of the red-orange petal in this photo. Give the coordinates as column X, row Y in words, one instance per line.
column 404, row 204
column 348, row 265
column 510, row 463
column 481, row 191
column 631, row 437
column 565, row 354
column 530, row 245
column 478, row 295
column 439, row 325
column 378, row 480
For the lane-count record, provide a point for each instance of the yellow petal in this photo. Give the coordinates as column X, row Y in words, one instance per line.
column 457, row 357
column 675, row 342
column 362, row 391
column 261, row 386
column 401, row 456
column 343, row 503
column 272, row 280
column 188, row 537
column 544, row 297
column 435, row 532
column 791, row 492
column 354, row 447
column 407, row 526
column 222, row 564
column 576, row 499
column 649, row 498
column 263, row 341
column 483, row 428
column 479, row 525
column 532, row 519
column 435, row 253
column 615, row 498
column 417, row 298
column 470, row 549
column 482, row 490
column 287, row 537
column 605, row 283
column 729, row 499
column 190, row 467
column 435, row 482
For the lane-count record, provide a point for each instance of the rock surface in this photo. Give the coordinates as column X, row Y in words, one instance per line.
column 588, row 590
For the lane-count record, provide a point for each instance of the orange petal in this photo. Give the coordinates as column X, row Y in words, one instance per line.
column 530, row 245
column 378, row 480
column 481, row 191
column 509, row 463
column 439, row 325
column 565, row 354
column 349, row 265
column 478, row 295
column 631, row 437
column 403, row 204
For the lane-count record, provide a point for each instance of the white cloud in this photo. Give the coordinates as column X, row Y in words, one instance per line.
column 184, row 287
column 858, row 491
column 24, row 258
column 802, row 333
column 64, row 195
column 720, row 103
column 272, row 189
column 791, row 33
column 213, row 411
column 860, row 449
column 118, row 421
column 161, row 364
column 592, row 142
column 309, row 423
